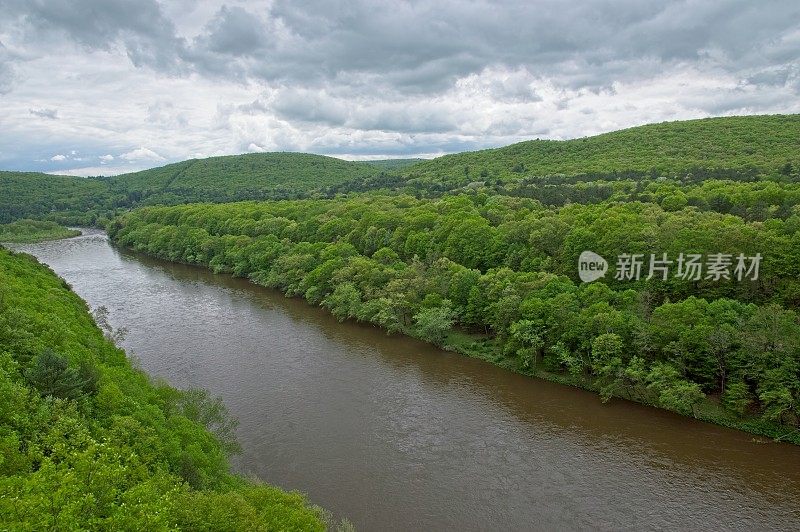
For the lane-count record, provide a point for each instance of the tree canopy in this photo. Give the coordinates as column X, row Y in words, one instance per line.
column 503, row 271
column 87, row 442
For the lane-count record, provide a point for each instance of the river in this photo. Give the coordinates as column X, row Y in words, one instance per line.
column 397, row 435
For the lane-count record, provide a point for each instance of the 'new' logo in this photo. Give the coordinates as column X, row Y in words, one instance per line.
column 591, row 266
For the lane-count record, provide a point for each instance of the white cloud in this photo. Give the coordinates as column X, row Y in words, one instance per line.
column 87, row 171
column 141, row 154
column 170, row 80
column 58, row 158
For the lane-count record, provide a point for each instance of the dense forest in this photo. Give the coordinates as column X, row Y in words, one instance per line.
column 763, row 144
column 90, row 201
column 34, row 231
column 479, row 252
column 87, row 442
column 742, row 150
column 63, row 199
column 237, row 177
column 497, row 277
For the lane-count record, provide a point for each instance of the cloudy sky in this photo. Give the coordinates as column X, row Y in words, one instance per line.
column 93, row 87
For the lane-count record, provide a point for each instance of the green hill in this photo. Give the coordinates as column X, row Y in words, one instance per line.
column 217, row 179
column 238, row 177
column 34, row 231
column 763, row 144
column 722, row 148
column 394, row 164
column 37, row 195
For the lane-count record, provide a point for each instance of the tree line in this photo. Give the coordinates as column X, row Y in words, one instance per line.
column 34, row 231
column 496, row 277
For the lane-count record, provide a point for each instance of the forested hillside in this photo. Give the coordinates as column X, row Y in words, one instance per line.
column 83, row 201
column 497, row 277
column 238, row 177
column 89, row 443
column 630, row 164
column 37, row 195
column 746, row 145
column 394, row 164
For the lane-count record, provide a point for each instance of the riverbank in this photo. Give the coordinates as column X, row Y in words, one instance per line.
column 708, row 411
column 441, row 441
column 29, row 231
column 92, row 441
column 491, row 350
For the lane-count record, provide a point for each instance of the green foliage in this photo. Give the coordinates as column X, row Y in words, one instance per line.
column 607, row 363
column 51, row 376
column 525, row 336
column 210, row 412
column 248, row 508
column 89, row 443
column 504, row 268
column 344, row 302
column 765, row 144
column 433, row 323
column 88, row 201
column 37, row 195
column 34, row 231
column 237, row 177
column 737, row 398
column 394, row 164
column 743, row 159
column 674, row 393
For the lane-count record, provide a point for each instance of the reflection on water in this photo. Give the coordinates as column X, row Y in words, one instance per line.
column 397, row 435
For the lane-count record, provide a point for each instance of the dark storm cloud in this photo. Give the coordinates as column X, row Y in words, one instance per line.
column 310, row 106
column 788, row 76
column 425, row 46
column 234, row 31
column 321, row 108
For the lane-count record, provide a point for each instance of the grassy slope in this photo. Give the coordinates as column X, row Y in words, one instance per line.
column 124, row 454
column 763, row 142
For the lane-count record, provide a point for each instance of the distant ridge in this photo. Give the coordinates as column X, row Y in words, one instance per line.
column 756, row 144
column 764, row 143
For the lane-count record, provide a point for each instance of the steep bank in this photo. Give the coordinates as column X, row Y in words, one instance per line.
column 87, row 441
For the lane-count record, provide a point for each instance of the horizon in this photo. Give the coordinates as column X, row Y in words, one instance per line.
column 371, row 159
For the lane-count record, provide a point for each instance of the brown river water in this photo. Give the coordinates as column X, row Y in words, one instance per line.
column 398, row 435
